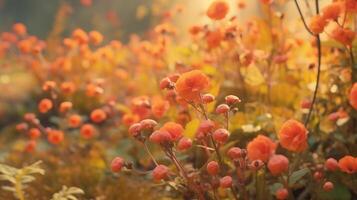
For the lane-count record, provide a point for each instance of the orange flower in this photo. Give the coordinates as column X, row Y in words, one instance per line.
column 191, row 84
column 332, row 11
column 214, row 38
column 348, row 164
column 343, row 35
column 19, row 29
column 48, row 85
column 74, row 121
column 98, row 115
column 95, row 37
column 278, row 164
column 353, row 96
column 140, row 106
column 55, row 136
column 217, row 10
column 86, row 3
column 68, row 87
column 45, row 105
column 174, row 129
column 293, row 136
column 261, row 148
column 351, row 5
column 87, row 131
column 266, row 1
column 80, row 36
column 34, row 133
column 317, row 24
column 65, row 106
column 130, row 118
column 159, row 106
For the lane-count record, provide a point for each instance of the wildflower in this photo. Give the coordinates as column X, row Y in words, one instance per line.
column 191, row 84
column 65, row 106
column 55, row 136
column 207, row 98
column 74, row 121
column 353, row 96
column 217, row 10
column 318, row 176
column 232, row 99
column 21, row 127
column 317, row 24
column 343, row 35
column 348, row 164
column 141, row 106
column 174, row 129
column 256, row 165
column 332, row 11
column 222, row 109
column 134, row 129
column 328, row 186
column 282, row 194
column 160, row 172
column 261, row 148
column 213, row 168
column 68, row 87
column 266, row 1
column 45, row 105
column 130, row 118
column 234, row 153
column 34, row 133
column 80, row 36
column 95, row 37
column 159, row 106
column 19, row 29
column 278, row 164
column 351, row 5
column 30, row 146
column 293, row 136
column 148, row 124
column 98, row 115
column 87, row 131
column 214, row 38
column 226, row 182
column 160, row 137
column 221, row 135
column 331, row 164
column 48, row 85
column 117, row 164
column 184, row 144
column 166, row 83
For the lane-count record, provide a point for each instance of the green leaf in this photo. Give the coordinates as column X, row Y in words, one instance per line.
column 297, row 175
column 339, row 192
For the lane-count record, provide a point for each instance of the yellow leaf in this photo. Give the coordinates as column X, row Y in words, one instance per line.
column 252, row 75
column 191, row 128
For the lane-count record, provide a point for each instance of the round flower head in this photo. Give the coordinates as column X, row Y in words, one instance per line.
column 184, row 144
column 226, row 182
column 191, row 84
column 160, row 172
column 34, row 133
column 317, row 24
column 282, row 194
column 353, row 96
column 95, row 37
column 55, row 136
column 331, row 164
column 87, row 131
column 343, row 35
column 74, row 121
column 117, row 164
column 19, row 29
column 348, row 164
column 261, row 148
column 293, row 136
column 45, row 105
column 332, row 11
column 218, row 10
column 98, row 115
column 174, row 129
column 278, row 164
column 213, row 168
